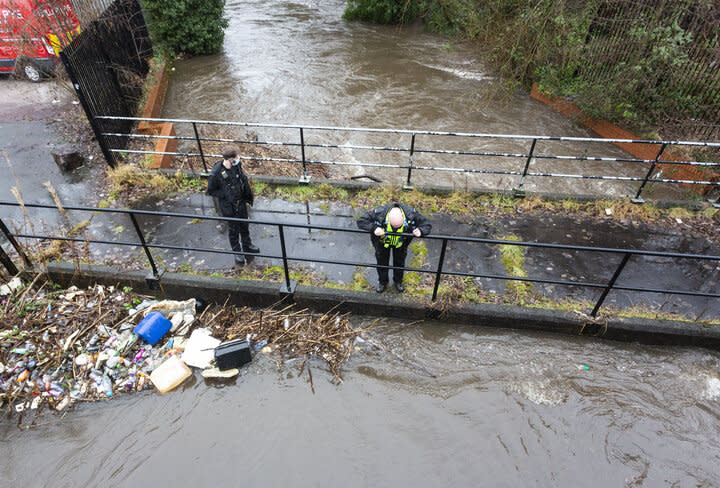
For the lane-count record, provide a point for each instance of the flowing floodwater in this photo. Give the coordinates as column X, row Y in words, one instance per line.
column 301, row 63
column 506, row 409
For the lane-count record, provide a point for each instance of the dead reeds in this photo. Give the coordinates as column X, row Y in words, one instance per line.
column 293, row 333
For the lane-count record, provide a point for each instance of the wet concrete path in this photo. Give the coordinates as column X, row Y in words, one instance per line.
column 304, row 246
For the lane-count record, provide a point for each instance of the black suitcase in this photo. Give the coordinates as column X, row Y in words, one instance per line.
column 232, row 354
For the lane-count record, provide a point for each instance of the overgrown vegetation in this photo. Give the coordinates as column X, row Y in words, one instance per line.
column 189, row 26
column 513, row 258
column 130, row 183
column 382, row 11
column 647, row 64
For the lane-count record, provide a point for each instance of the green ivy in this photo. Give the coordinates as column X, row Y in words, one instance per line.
column 382, row 11
column 187, row 26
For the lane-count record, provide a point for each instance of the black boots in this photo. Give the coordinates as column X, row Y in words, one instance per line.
column 380, row 287
column 251, row 249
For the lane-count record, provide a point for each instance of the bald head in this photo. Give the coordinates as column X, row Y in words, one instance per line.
column 396, row 217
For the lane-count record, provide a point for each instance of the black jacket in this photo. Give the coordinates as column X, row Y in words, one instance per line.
column 229, row 186
column 376, row 218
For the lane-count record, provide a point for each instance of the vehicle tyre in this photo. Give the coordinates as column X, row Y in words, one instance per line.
column 31, row 70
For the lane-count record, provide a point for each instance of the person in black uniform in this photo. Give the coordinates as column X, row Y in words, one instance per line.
column 394, row 217
column 229, row 184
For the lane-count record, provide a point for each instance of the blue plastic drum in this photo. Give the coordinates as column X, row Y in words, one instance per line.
column 153, row 327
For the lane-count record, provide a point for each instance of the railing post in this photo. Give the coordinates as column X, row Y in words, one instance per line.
column 438, row 273
column 288, row 288
column 197, row 138
column 519, row 192
column 15, row 244
column 638, row 198
column 408, row 185
column 610, row 284
column 153, row 280
column 7, row 262
column 304, row 179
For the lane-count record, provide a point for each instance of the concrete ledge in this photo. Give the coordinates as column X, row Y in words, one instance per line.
column 261, row 294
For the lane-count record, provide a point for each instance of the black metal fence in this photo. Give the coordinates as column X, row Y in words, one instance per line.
column 288, row 286
column 477, row 162
column 107, row 64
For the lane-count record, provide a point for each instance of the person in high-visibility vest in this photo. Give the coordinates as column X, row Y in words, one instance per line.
column 384, row 223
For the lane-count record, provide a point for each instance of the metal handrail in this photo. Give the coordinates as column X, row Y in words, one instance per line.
column 289, row 286
column 411, row 132
column 396, row 149
column 413, row 150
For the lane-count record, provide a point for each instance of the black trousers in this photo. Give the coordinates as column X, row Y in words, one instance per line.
column 382, row 255
column 239, row 229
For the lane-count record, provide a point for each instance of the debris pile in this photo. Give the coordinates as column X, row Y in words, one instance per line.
column 295, row 334
column 59, row 346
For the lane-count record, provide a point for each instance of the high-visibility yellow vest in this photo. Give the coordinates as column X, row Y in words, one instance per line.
column 393, row 241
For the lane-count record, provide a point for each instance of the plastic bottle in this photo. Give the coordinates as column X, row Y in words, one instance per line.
column 130, row 381
column 96, row 376
column 138, row 357
column 107, row 386
column 112, row 361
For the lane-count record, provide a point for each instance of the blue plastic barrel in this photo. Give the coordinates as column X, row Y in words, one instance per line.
column 153, row 327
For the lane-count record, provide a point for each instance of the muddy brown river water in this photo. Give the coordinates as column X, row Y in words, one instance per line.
column 299, row 62
column 506, row 409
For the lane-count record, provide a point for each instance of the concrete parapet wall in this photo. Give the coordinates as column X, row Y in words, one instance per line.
column 261, row 294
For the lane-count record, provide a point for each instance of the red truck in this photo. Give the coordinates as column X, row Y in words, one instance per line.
column 32, row 33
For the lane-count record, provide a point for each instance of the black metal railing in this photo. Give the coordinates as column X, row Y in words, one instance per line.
column 107, row 64
column 522, row 173
column 288, row 286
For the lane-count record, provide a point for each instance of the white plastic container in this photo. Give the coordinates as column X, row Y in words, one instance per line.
column 200, row 349
column 170, row 374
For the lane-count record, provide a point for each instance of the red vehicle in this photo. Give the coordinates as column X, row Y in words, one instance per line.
column 32, row 33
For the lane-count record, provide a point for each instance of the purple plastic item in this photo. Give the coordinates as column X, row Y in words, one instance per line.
column 153, row 327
